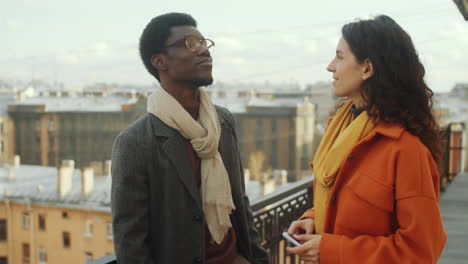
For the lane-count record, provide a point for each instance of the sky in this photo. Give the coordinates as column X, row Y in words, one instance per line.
column 88, row 41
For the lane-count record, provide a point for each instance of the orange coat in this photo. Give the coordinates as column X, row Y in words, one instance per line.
column 383, row 207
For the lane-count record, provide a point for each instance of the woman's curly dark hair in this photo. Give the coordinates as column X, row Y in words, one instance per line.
column 397, row 87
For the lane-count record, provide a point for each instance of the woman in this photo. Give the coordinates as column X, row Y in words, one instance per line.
column 376, row 185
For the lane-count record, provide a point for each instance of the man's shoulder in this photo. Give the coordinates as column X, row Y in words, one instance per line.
column 138, row 128
column 224, row 115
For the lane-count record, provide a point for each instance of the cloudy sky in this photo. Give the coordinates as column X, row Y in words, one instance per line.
column 86, row 41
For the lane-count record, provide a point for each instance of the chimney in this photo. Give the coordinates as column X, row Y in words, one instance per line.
column 16, row 161
column 107, row 167
column 97, row 167
column 280, row 176
column 251, row 94
column 133, row 94
column 246, row 176
column 267, row 184
column 20, row 96
column 65, row 174
column 11, row 173
column 68, row 163
column 87, row 181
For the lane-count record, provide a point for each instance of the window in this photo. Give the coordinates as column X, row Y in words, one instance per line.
column 3, row 260
column 37, row 125
column 88, row 228
column 66, row 240
column 25, row 220
column 3, row 230
column 88, row 257
column 51, row 125
column 42, row 255
column 259, row 137
column 42, row 222
column 109, row 233
column 64, row 215
column 26, row 253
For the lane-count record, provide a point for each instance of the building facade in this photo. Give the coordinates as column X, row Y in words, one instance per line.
column 44, row 234
column 274, row 134
column 52, row 216
column 48, row 131
column 5, row 128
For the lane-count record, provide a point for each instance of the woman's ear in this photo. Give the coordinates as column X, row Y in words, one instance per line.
column 159, row 62
column 368, row 69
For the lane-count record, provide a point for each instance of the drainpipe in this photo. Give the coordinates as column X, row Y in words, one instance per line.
column 32, row 234
column 10, row 244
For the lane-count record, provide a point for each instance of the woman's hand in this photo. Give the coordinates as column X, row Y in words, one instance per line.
column 306, row 226
column 309, row 251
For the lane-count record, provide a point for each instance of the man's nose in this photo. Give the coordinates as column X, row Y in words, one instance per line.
column 203, row 51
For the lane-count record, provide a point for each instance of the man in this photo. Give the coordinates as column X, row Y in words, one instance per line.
column 178, row 192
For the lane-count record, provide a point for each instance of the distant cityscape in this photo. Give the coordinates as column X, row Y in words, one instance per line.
column 56, row 142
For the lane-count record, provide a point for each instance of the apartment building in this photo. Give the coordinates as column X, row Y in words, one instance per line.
column 46, row 130
column 279, row 133
column 49, row 215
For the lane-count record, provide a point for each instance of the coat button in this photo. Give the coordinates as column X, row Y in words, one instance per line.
column 351, row 156
column 196, row 218
column 197, row 260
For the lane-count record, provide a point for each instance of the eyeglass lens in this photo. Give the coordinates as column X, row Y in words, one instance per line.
column 194, row 43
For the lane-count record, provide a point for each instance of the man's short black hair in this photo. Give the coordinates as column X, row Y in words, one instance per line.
column 155, row 34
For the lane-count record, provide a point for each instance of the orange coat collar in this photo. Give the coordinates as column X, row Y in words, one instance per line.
column 391, row 130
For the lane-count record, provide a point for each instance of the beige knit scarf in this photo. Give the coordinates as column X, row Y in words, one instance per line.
column 204, row 135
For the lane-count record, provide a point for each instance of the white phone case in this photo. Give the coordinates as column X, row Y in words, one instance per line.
column 291, row 239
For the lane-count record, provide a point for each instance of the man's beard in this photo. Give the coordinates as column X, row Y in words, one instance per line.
column 201, row 82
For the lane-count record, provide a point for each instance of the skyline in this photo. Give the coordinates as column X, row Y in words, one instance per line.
column 87, row 42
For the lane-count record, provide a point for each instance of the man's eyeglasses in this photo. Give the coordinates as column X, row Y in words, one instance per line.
column 193, row 43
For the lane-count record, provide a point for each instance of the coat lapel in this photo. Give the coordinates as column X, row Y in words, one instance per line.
column 225, row 148
column 176, row 150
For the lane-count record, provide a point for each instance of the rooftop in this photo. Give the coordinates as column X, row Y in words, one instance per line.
column 240, row 104
column 39, row 185
column 78, row 103
column 5, row 100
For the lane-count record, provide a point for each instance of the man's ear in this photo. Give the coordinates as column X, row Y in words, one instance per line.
column 159, row 62
column 368, row 70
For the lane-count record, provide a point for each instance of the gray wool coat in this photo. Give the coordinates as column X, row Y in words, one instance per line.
column 157, row 212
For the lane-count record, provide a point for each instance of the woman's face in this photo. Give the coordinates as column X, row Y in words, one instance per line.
column 348, row 74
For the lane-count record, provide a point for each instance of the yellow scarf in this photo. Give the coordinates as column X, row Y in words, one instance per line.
column 341, row 136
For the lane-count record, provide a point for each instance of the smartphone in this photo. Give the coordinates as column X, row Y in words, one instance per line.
column 291, row 239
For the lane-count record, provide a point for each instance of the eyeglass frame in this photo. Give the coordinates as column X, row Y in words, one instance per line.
column 200, row 40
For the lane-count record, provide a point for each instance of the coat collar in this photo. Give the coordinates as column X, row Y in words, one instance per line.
column 391, row 130
column 174, row 146
column 165, row 131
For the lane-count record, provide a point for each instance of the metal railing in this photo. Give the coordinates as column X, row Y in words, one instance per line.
column 272, row 215
column 451, row 163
